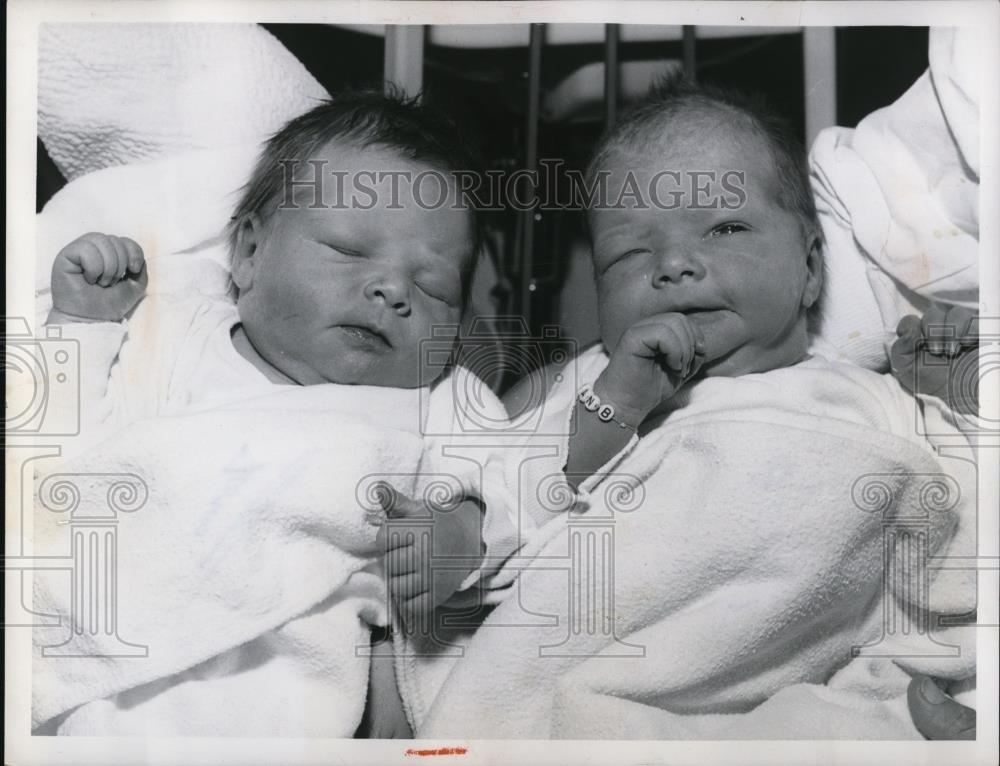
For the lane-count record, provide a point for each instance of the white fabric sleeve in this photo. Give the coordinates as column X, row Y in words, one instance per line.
column 93, row 403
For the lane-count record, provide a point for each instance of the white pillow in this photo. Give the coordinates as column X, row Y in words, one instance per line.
column 114, row 94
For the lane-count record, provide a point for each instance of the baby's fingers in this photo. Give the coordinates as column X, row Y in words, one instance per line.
column 110, row 260
column 412, row 610
column 944, row 327
column 664, row 341
column 909, row 326
column 408, row 586
column 402, row 554
column 678, row 346
column 134, row 258
column 90, row 260
column 395, row 534
column 401, row 507
column 902, row 357
column 119, row 259
column 966, row 323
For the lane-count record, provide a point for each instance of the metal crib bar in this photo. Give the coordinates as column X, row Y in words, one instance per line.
column 404, row 58
column 690, row 69
column 611, row 75
column 819, row 58
column 527, row 260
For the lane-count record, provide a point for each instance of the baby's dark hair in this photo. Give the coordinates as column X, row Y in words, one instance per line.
column 675, row 96
column 363, row 118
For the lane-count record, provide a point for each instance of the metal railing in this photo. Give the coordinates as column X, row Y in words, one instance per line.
column 404, row 61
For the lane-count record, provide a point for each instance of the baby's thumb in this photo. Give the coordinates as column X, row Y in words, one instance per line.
column 401, row 507
column 909, row 326
column 142, row 278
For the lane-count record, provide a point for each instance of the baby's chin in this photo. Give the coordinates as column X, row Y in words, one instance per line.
column 345, row 376
column 732, row 350
column 748, row 357
column 381, row 376
column 726, row 339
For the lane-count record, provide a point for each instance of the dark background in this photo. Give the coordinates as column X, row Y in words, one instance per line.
column 485, row 89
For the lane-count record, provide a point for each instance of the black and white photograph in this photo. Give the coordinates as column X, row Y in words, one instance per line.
column 502, row 382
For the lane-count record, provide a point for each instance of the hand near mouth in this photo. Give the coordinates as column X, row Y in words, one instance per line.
column 722, row 331
column 654, row 358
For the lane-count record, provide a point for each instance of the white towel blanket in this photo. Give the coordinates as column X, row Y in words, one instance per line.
column 246, row 571
column 114, row 94
column 736, row 551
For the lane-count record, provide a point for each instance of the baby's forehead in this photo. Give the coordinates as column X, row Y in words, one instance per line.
column 694, row 149
column 692, row 137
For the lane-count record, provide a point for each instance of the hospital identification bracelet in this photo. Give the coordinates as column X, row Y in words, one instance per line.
column 605, row 412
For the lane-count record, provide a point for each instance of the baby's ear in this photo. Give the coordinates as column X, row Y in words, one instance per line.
column 248, row 234
column 814, row 270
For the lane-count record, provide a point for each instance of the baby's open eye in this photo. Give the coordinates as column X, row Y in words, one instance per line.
column 730, row 227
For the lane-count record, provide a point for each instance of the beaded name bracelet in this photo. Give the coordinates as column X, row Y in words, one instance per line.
column 605, row 412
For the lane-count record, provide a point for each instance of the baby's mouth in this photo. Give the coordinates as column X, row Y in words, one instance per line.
column 703, row 314
column 694, row 313
column 366, row 336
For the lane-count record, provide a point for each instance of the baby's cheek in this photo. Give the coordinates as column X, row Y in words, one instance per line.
column 617, row 310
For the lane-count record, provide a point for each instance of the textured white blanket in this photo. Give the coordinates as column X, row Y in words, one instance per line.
column 114, row 94
column 738, row 550
column 246, row 571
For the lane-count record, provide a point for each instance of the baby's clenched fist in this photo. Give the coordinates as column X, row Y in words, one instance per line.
column 98, row 277
column 653, row 360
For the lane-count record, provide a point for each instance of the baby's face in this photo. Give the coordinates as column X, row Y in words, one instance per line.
column 742, row 275
column 346, row 295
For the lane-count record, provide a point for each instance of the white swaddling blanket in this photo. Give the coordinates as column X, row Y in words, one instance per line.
column 247, row 572
column 748, row 559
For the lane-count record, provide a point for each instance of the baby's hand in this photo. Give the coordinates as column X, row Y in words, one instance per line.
column 97, row 277
column 653, row 359
column 949, row 335
column 408, row 566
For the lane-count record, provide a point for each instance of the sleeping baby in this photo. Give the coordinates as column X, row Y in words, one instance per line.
column 721, row 538
column 251, row 575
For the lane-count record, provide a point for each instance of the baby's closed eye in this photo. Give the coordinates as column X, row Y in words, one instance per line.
column 440, row 290
column 339, row 249
column 606, row 263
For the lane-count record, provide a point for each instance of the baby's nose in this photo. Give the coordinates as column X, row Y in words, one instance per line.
column 393, row 291
column 675, row 265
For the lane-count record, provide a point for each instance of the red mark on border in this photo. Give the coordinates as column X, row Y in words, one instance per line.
column 439, row 751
